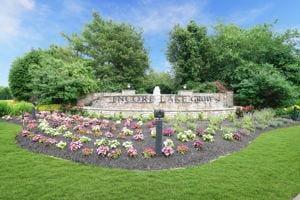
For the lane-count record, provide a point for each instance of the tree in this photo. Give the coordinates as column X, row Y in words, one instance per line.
column 233, row 46
column 115, row 51
column 58, row 81
column 19, row 76
column 5, row 93
column 162, row 79
column 189, row 52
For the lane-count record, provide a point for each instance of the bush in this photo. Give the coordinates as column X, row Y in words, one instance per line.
column 4, row 108
column 262, row 87
column 49, row 107
column 18, row 108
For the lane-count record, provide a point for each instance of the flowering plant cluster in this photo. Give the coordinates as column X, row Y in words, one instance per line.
column 228, row 136
column 25, row 133
column 100, row 142
column 168, row 132
column 198, row 144
column 153, row 132
column 127, row 131
column 61, row 145
column 138, row 137
column 87, row 151
column 74, row 146
column 149, row 153
column 186, row 136
column 168, row 143
column 200, row 132
column 127, row 144
column 84, row 139
column 115, row 153
column 109, row 135
column 237, row 135
column 113, row 144
column 208, row 138
column 102, row 150
column 182, row 149
column 132, row 152
column 168, row 151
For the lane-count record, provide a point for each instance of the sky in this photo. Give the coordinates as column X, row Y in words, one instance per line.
column 28, row 24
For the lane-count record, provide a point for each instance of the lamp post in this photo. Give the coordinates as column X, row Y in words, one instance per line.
column 159, row 115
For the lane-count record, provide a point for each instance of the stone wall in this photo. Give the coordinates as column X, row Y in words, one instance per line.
column 184, row 102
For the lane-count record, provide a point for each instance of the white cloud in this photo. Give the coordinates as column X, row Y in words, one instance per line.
column 248, row 15
column 73, row 7
column 11, row 17
column 165, row 16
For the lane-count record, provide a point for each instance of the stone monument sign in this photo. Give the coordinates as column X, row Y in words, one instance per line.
column 130, row 103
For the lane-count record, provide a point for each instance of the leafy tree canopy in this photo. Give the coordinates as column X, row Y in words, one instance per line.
column 115, row 51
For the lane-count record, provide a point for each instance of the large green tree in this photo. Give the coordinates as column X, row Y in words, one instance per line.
column 54, row 75
column 115, row 51
column 19, row 77
column 189, row 52
column 57, row 81
column 260, row 65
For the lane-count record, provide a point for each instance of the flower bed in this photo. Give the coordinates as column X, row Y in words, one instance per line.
column 130, row 143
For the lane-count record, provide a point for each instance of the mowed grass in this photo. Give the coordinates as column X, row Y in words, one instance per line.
column 269, row 168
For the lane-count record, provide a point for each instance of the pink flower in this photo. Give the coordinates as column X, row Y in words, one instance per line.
column 138, row 137
column 237, row 136
column 168, row 132
column 109, row 135
column 132, row 152
column 25, row 133
column 103, row 150
column 198, row 144
column 149, row 152
column 31, row 125
column 167, row 151
column 36, row 138
column 182, row 149
column 127, row 122
column 200, row 132
column 74, row 146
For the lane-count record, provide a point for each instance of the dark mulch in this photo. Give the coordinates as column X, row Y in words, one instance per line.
column 211, row 151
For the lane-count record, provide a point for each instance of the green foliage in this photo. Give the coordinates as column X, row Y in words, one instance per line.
column 200, row 116
column 261, row 66
column 14, row 108
column 189, row 51
column 115, row 52
column 4, row 108
column 161, row 79
column 247, row 122
column 57, row 81
column 116, row 116
column 264, row 117
column 201, row 87
column 49, row 107
column 262, row 87
column 5, row 93
column 20, row 78
column 18, row 108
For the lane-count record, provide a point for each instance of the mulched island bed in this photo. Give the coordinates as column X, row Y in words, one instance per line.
column 60, row 123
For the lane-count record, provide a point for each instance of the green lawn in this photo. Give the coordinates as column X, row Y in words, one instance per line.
column 269, row 168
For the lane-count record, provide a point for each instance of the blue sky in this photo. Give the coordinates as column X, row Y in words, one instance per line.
column 27, row 24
